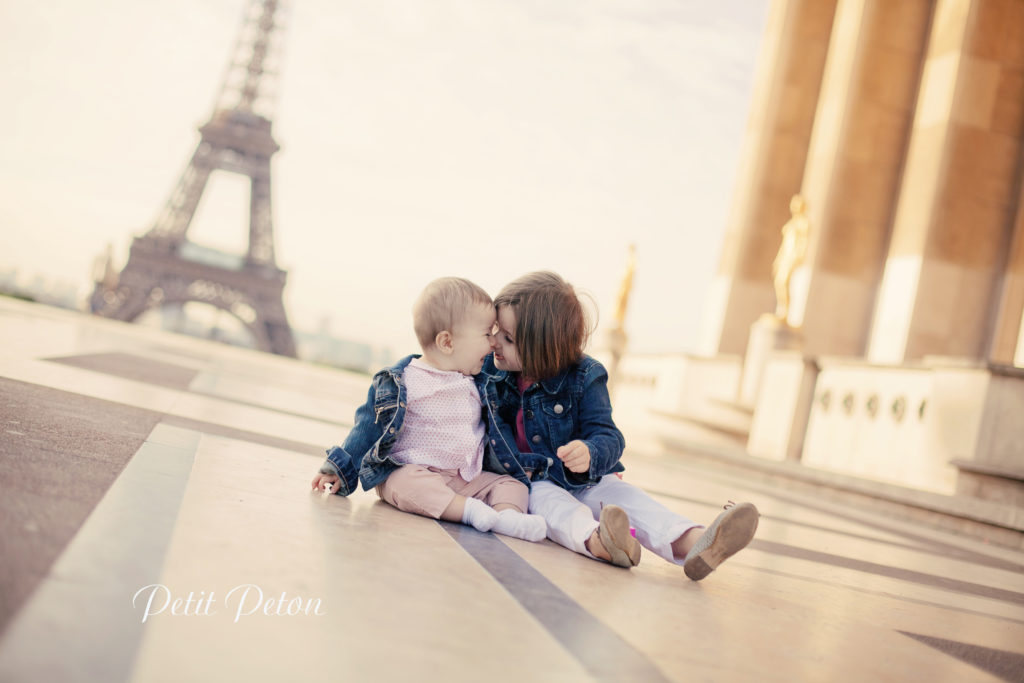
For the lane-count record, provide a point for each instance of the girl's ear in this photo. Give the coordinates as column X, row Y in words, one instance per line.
column 443, row 341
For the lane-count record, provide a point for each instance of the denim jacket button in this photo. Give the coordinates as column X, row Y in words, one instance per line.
column 558, row 409
column 536, row 438
column 529, row 414
column 551, row 461
column 493, row 442
column 506, row 465
column 391, row 431
column 402, row 404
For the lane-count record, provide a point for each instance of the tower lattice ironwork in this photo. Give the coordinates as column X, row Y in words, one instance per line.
column 163, row 266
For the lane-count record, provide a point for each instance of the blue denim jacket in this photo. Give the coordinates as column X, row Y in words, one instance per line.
column 363, row 455
column 572, row 405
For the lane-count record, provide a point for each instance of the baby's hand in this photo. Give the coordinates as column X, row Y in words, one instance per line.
column 575, row 456
column 325, row 482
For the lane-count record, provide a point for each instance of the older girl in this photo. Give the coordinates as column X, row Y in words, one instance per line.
column 550, row 414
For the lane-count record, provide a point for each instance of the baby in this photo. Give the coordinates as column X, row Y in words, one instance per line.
column 419, row 438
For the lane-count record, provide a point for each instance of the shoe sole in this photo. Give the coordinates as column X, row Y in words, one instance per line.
column 733, row 534
column 614, row 534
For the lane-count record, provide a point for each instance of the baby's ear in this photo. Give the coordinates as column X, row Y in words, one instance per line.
column 443, row 341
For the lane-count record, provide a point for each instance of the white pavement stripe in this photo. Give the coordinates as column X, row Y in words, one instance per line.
column 79, row 625
column 169, row 401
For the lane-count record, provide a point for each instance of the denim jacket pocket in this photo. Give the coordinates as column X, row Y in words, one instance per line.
column 384, row 404
column 559, row 419
column 386, row 409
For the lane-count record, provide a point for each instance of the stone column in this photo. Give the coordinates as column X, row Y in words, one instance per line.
column 850, row 183
column 775, row 150
column 1008, row 338
column 960, row 187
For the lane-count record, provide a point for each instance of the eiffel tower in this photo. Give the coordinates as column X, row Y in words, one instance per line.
column 163, row 267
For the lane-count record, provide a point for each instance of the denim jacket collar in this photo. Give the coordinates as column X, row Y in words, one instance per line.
column 490, row 372
column 551, row 385
column 398, row 368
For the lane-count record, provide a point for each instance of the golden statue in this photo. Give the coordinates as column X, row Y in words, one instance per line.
column 627, row 285
column 791, row 254
column 617, row 338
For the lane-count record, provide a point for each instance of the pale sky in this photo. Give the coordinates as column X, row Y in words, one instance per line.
column 479, row 138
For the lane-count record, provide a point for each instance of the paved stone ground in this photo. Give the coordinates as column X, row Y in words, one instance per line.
column 59, row 453
column 143, row 465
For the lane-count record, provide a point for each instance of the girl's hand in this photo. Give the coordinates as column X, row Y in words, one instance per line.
column 575, row 456
column 321, row 479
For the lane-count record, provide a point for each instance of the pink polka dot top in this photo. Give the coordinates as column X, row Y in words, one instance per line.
column 443, row 427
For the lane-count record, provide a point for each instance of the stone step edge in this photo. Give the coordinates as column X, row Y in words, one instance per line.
column 1005, row 518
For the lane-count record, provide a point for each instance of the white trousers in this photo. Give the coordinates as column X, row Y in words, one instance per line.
column 572, row 518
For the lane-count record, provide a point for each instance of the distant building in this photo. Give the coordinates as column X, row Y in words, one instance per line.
column 326, row 348
column 59, row 293
column 901, row 358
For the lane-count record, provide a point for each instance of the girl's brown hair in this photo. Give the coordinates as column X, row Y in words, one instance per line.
column 551, row 325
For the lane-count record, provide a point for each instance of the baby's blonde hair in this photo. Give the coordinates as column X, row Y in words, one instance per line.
column 443, row 303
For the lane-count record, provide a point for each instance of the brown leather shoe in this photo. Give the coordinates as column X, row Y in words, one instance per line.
column 614, row 534
column 727, row 535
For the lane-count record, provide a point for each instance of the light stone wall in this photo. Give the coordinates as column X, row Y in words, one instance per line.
column 961, row 184
column 1018, row 358
column 1001, row 438
column 902, row 123
column 691, row 385
column 778, row 132
column 915, row 424
column 783, row 405
column 877, row 422
column 1008, row 337
column 860, row 137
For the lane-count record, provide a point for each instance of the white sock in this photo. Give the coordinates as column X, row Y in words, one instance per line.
column 527, row 527
column 479, row 515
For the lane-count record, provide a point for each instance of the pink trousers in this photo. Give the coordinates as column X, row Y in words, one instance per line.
column 428, row 491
